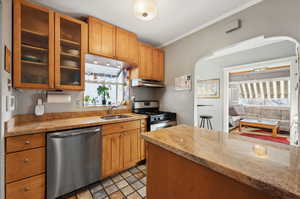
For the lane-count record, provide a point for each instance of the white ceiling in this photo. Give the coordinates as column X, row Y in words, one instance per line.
column 176, row 18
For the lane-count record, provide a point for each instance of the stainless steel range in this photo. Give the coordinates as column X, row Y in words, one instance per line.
column 157, row 119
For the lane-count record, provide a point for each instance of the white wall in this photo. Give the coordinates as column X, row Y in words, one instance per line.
column 181, row 56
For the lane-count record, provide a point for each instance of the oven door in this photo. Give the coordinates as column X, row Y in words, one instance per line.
column 162, row 124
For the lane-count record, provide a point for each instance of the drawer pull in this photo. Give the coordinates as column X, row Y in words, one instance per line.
column 26, row 189
column 26, row 160
column 27, row 142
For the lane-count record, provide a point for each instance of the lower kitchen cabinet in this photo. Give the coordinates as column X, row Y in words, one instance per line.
column 111, row 154
column 131, row 148
column 28, row 188
column 121, row 147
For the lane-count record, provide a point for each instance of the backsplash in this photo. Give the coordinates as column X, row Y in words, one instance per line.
column 26, row 100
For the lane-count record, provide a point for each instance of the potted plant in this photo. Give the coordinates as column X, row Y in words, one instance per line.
column 104, row 92
column 87, row 99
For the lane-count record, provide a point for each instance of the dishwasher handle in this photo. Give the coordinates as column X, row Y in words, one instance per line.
column 76, row 132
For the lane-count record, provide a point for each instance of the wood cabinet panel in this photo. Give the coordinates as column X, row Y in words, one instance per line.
column 119, row 127
column 102, row 38
column 131, row 148
column 112, row 161
column 24, row 142
column 33, row 46
column 25, row 164
column 127, row 46
column 145, row 62
column 158, row 65
column 70, row 34
column 29, row 188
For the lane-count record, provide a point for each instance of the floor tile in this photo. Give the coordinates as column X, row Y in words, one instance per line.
column 127, row 190
column 139, row 175
column 107, row 182
column 84, row 195
column 142, row 191
column 110, row 189
column 144, row 180
column 134, row 170
column 126, row 174
column 96, row 188
column 100, row 195
column 117, row 178
column 134, row 195
column 142, row 167
column 122, row 184
column 117, row 195
column 131, row 179
column 137, row 185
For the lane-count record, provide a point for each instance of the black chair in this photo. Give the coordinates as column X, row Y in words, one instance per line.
column 205, row 118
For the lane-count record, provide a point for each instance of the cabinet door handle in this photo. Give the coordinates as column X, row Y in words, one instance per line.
column 26, row 160
column 27, row 142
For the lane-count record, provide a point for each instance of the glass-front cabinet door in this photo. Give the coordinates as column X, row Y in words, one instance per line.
column 70, row 49
column 33, row 41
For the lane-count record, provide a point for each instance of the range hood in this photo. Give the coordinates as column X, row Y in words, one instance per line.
column 146, row 83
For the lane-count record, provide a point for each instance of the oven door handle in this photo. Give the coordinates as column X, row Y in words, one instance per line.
column 157, row 126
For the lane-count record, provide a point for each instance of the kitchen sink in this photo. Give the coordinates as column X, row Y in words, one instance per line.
column 114, row 117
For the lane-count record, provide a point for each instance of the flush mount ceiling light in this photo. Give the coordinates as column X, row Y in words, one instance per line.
column 145, row 10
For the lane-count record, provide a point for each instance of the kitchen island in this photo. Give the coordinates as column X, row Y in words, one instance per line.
column 193, row 163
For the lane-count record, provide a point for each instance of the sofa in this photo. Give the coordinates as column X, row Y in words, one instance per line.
column 279, row 114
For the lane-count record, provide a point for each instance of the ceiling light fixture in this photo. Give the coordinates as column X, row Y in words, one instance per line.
column 145, row 10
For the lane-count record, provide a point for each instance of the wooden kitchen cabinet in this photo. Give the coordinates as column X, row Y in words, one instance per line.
column 111, row 154
column 131, row 148
column 49, row 49
column 158, row 64
column 127, row 46
column 33, row 46
column 151, row 64
column 70, row 49
column 120, row 146
column 102, row 38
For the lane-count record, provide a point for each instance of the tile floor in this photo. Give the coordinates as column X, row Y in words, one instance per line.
column 130, row 184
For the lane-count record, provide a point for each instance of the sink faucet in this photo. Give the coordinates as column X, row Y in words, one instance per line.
column 109, row 111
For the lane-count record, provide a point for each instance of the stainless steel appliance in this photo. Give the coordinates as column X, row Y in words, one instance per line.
column 156, row 119
column 146, row 83
column 73, row 160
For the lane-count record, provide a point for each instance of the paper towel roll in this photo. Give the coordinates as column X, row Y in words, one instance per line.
column 58, row 98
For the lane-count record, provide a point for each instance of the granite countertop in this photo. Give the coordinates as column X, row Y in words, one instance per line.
column 63, row 124
column 277, row 172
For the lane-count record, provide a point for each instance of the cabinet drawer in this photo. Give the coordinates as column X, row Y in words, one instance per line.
column 24, row 164
column 119, row 127
column 24, row 142
column 29, row 188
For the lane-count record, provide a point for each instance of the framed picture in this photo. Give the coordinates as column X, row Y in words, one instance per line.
column 7, row 63
column 183, row 83
column 208, row 88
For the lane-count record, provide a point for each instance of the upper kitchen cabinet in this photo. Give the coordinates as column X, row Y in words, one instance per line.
column 102, row 38
column 151, row 64
column 70, row 48
column 33, row 45
column 145, row 67
column 127, row 46
column 158, row 57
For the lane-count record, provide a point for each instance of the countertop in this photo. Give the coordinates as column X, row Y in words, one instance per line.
column 63, row 124
column 277, row 173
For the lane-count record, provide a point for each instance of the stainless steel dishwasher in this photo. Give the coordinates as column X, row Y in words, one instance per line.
column 73, row 160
